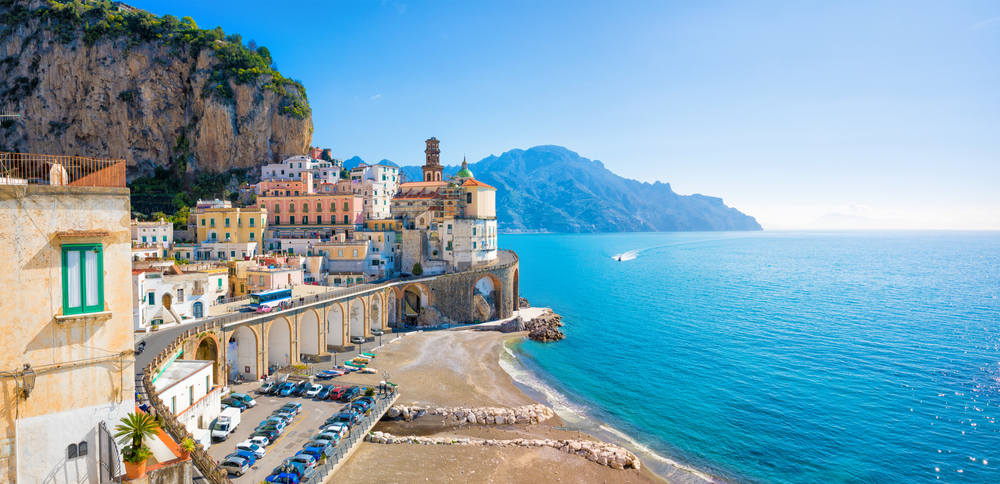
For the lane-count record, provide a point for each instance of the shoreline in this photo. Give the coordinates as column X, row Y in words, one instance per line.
column 664, row 469
column 461, row 369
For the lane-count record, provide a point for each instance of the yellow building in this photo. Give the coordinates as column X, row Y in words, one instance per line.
column 67, row 369
column 231, row 225
column 238, row 276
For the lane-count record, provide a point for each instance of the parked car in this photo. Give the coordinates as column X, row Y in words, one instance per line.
column 235, row 465
column 377, row 332
column 301, row 388
column 283, row 415
column 368, row 402
column 263, row 309
column 324, row 392
column 294, row 407
column 244, row 454
column 337, row 428
column 257, row 450
column 348, row 418
column 337, row 392
column 269, row 426
column 270, row 435
column 294, row 468
column 349, row 394
column 331, row 436
column 287, row 389
column 244, row 398
column 265, row 389
column 357, row 340
column 283, row 478
column 275, row 422
column 305, row 460
column 313, row 391
column 232, row 402
column 259, row 440
column 318, row 450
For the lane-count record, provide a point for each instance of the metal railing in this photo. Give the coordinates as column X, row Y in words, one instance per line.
column 344, row 447
column 30, row 169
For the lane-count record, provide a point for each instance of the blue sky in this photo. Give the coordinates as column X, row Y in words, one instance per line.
column 786, row 110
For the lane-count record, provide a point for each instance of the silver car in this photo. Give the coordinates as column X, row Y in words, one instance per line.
column 235, row 465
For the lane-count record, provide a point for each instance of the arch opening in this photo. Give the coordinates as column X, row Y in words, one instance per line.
column 375, row 313
column 392, row 309
column 357, row 317
column 309, row 334
column 208, row 350
column 279, row 344
column 486, row 298
column 242, row 354
column 335, row 326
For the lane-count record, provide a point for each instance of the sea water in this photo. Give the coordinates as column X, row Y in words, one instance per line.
column 775, row 357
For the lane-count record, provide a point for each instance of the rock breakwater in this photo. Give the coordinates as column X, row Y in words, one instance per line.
column 600, row 452
column 545, row 328
column 526, row 414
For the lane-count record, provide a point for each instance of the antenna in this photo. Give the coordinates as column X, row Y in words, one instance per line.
column 7, row 114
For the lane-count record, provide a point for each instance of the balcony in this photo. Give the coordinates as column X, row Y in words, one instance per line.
column 76, row 171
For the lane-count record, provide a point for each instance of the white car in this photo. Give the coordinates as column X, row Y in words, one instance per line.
column 313, row 390
column 357, row 340
column 260, row 440
column 251, row 447
column 337, row 428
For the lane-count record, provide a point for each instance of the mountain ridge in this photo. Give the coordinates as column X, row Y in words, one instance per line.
column 551, row 188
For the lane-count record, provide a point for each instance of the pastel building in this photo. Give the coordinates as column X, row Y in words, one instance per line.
column 173, row 296
column 156, row 234
column 296, row 168
column 268, row 278
column 67, row 369
column 298, row 211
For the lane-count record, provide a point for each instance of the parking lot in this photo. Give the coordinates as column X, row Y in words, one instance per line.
column 291, row 440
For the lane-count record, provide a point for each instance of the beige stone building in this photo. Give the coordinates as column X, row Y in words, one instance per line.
column 67, row 372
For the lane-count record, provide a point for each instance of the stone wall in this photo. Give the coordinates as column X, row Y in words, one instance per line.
column 452, row 293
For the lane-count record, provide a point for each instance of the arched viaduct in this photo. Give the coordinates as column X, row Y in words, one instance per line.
column 248, row 344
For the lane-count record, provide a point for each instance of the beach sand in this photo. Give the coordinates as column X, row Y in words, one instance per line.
column 461, row 368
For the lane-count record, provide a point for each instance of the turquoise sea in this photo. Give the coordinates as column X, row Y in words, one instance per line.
column 776, row 357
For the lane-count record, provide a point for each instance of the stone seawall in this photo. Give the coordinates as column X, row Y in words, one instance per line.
column 600, row 452
column 527, row 414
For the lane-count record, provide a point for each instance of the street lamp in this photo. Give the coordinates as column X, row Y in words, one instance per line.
column 27, row 380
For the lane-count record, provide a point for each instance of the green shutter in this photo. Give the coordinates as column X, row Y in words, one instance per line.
column 82, row 249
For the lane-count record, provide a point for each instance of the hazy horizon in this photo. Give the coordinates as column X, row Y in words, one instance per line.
column 787, row 111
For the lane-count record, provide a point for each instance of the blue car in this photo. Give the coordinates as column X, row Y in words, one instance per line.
column 283, row 478
column 286, row 389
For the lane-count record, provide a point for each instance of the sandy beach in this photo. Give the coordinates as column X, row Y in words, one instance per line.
column 461, row 368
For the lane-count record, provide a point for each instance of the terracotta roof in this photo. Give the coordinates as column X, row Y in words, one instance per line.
column 473, row 183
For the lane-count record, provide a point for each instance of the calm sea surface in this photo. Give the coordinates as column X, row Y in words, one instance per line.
column 777, row 357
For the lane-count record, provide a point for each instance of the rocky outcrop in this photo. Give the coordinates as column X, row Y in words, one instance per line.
column 527, row 414
column 512, row 326
column 523, row 303
column 545, row 328
column 480, row 308
column 122, row 97
column 600, row 452
column 432, row 317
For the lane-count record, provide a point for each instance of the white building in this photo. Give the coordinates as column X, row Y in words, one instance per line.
column 376, row 184
column 157, row 235
column 212, row 250
column 188, row 389
column 175, row 298
column 294, row 167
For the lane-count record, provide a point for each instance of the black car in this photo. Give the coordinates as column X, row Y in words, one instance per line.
column 270, row 435
column 350, row 393
column 301, row 388
column 235, row 402
column 325, row 392
column 274, row 389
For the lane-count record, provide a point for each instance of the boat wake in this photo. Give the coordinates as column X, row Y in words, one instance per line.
column 575, row 416
column 632, row 254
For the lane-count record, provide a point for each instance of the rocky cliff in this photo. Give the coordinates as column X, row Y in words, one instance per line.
column 98, row 79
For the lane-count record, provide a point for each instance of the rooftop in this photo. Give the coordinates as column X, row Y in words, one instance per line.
column 77, row 171
column 178, row 371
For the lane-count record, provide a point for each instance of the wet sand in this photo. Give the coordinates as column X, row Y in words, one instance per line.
column 461, row 368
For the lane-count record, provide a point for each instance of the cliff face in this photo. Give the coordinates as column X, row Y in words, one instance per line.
column 141, row 101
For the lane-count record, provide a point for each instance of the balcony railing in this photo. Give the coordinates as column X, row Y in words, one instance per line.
column 76, row 171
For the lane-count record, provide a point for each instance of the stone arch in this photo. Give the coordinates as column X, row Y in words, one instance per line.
column 242, row 353
column 415, row 294
column 517, row 291
column 375, row 316
column 279, row 343
column 208, row 350
column 491, row 289
column 335, row 325
column 357, row 317
column 309, row 334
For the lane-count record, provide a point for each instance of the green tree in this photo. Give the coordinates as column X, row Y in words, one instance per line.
column 182, row 200
column 326, row 155
column 417, row 269
column 181, row 217
column 136, row 427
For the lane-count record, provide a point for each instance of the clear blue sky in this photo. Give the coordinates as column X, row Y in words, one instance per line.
column 786, row 110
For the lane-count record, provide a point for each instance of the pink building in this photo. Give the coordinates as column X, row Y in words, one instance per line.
column 304, row 204
column 265, row 279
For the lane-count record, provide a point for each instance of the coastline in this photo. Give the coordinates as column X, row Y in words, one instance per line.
column 462, row 368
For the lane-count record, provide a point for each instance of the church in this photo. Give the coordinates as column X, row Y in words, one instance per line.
column 447, row 224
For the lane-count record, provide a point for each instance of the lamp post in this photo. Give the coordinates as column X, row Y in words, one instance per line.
column 27, row 380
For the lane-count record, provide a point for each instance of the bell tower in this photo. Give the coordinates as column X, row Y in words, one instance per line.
column 432, row 167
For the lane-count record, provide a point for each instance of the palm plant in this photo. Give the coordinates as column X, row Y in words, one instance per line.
column 134, row 428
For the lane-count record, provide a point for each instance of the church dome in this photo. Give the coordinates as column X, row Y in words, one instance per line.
column 464, row 172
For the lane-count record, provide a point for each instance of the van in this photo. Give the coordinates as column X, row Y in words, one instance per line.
column 226, row 424
column 250, row 402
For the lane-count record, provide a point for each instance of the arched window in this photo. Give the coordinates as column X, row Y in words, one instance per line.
column 82, row 448
column 72, row 452
column 198, row 309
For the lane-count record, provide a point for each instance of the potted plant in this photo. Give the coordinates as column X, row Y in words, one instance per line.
column 187, row 446
column 135, row 427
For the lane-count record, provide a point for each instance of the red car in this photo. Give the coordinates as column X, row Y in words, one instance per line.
column 337, row 392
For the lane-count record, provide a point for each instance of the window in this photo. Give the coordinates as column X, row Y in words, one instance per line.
column 340, row 253
column 214, row 235
column 305, row 219
column 277, row 220
column 82, row 448
column 144, row 239
column 252, row 221
column 291, row 207
column 262, row 280
column 291, row 219
column 212, row 222
column 191, row 395
column 72, row 452
column 227, row 221
column 220, row 282
column 150, row 298
column 336, row 280
column 296, row 193
column 333, row 206
column 449, row 228
column 180, row 295
column 473, row 245
column 232, row 253
column 305, row 206
column 252, row 236
column 346, row 219
column 83, row 278
column 227, row 234
column 468, row 198
column 345, row 207
column 319, row 219
column 164, row 238
column 222, row 255
column 449, row 246
column 319, row 207
column 202, row 222
column 355, row 252
column 473, row 231
column 173, row 404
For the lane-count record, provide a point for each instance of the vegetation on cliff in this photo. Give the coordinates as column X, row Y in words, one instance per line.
column 96, row 20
